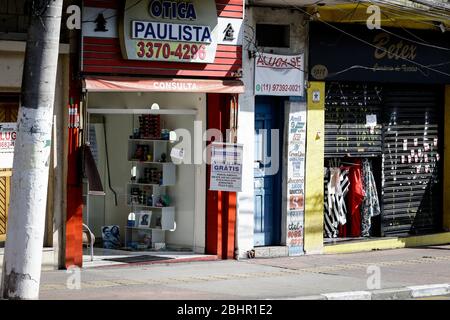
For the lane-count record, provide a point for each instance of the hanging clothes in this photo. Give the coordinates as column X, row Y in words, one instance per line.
column 336, row 189
column 330, row 222
column 371, row 205
column 355, row 198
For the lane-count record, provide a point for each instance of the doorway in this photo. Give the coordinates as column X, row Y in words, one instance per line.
column 269, row 115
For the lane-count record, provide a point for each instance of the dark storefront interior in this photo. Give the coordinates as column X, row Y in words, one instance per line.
column 404, row 152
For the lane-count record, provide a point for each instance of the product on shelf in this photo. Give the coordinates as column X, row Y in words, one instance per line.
column 151, row 176
column 151, row 173
column 144, row 198
column 142, row 153
column 165, row 134
column 150, row 126
column 163, row 158
column 134, row 195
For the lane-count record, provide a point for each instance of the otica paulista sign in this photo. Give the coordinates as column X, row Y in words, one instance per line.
column 178, row 31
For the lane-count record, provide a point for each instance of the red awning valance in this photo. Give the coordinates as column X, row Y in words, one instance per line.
column 119, row 84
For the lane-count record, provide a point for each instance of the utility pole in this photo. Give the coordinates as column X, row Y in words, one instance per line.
column 26, row 221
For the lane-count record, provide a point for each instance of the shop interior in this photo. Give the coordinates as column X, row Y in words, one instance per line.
column 145, row 193
column 383, row 167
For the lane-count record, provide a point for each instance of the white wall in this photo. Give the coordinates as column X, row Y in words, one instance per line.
column 188, row 195
column 12, row 55
column 11, row 66
column 247, row 106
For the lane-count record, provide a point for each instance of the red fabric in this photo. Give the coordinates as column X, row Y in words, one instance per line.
column 342, row 230
column 355, row 198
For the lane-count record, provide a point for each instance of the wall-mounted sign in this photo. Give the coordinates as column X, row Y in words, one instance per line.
column 183, row 31
column 316, row 96
column 296, row 178
column 379, row 55
column 319, row 72
column 229, row 33
column 100, row 22
column 8, row 133
column 226, row 167
column 279, row 75
column 111, row 84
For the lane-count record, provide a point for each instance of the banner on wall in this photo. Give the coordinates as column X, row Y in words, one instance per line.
column 279, row 75
column 8, row 133
column 296, row 178
column 226, row 167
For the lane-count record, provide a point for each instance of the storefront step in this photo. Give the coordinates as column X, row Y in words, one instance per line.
column 388, row 243
column 271, row 252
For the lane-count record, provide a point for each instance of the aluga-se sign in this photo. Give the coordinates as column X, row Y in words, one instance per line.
column 183, row 31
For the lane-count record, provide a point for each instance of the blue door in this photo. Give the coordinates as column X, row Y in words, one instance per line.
column 269, row 114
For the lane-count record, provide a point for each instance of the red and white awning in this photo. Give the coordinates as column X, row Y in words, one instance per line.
column 121, row 84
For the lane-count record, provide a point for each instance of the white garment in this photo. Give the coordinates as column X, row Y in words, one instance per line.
column 335, row 191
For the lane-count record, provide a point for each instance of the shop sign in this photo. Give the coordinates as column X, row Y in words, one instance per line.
column 95, row 84
column 296, row 178
column 226, row 167
column 390, row 55
column 279, row 75
column 183, row 31
column 8, row 133
column 100, row 22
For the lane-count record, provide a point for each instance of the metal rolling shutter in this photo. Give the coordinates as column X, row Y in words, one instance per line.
column 346, row 107
column 411, row 188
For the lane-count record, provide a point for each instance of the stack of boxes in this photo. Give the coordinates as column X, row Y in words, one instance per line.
column 150, row 126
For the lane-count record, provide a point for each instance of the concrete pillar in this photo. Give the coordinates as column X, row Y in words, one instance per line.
column 314, row 193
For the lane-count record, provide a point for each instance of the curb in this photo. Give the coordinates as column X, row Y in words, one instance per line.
column 384, row 294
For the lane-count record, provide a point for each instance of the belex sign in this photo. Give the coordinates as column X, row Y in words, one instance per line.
column 387, row 55
column 182, row 31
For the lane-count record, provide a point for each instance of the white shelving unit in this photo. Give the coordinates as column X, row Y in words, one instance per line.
column 150, row 179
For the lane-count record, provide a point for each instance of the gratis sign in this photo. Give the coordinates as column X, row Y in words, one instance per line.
column 226, row 167
column 279, row 75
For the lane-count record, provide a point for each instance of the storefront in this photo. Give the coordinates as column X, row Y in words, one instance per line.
column 272, row 129
column 385, row 115
column 156, row 75
column 12, row 55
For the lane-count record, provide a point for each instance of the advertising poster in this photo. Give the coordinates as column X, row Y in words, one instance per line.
column 226, row 167
column 8, row 132
column 296, row 178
